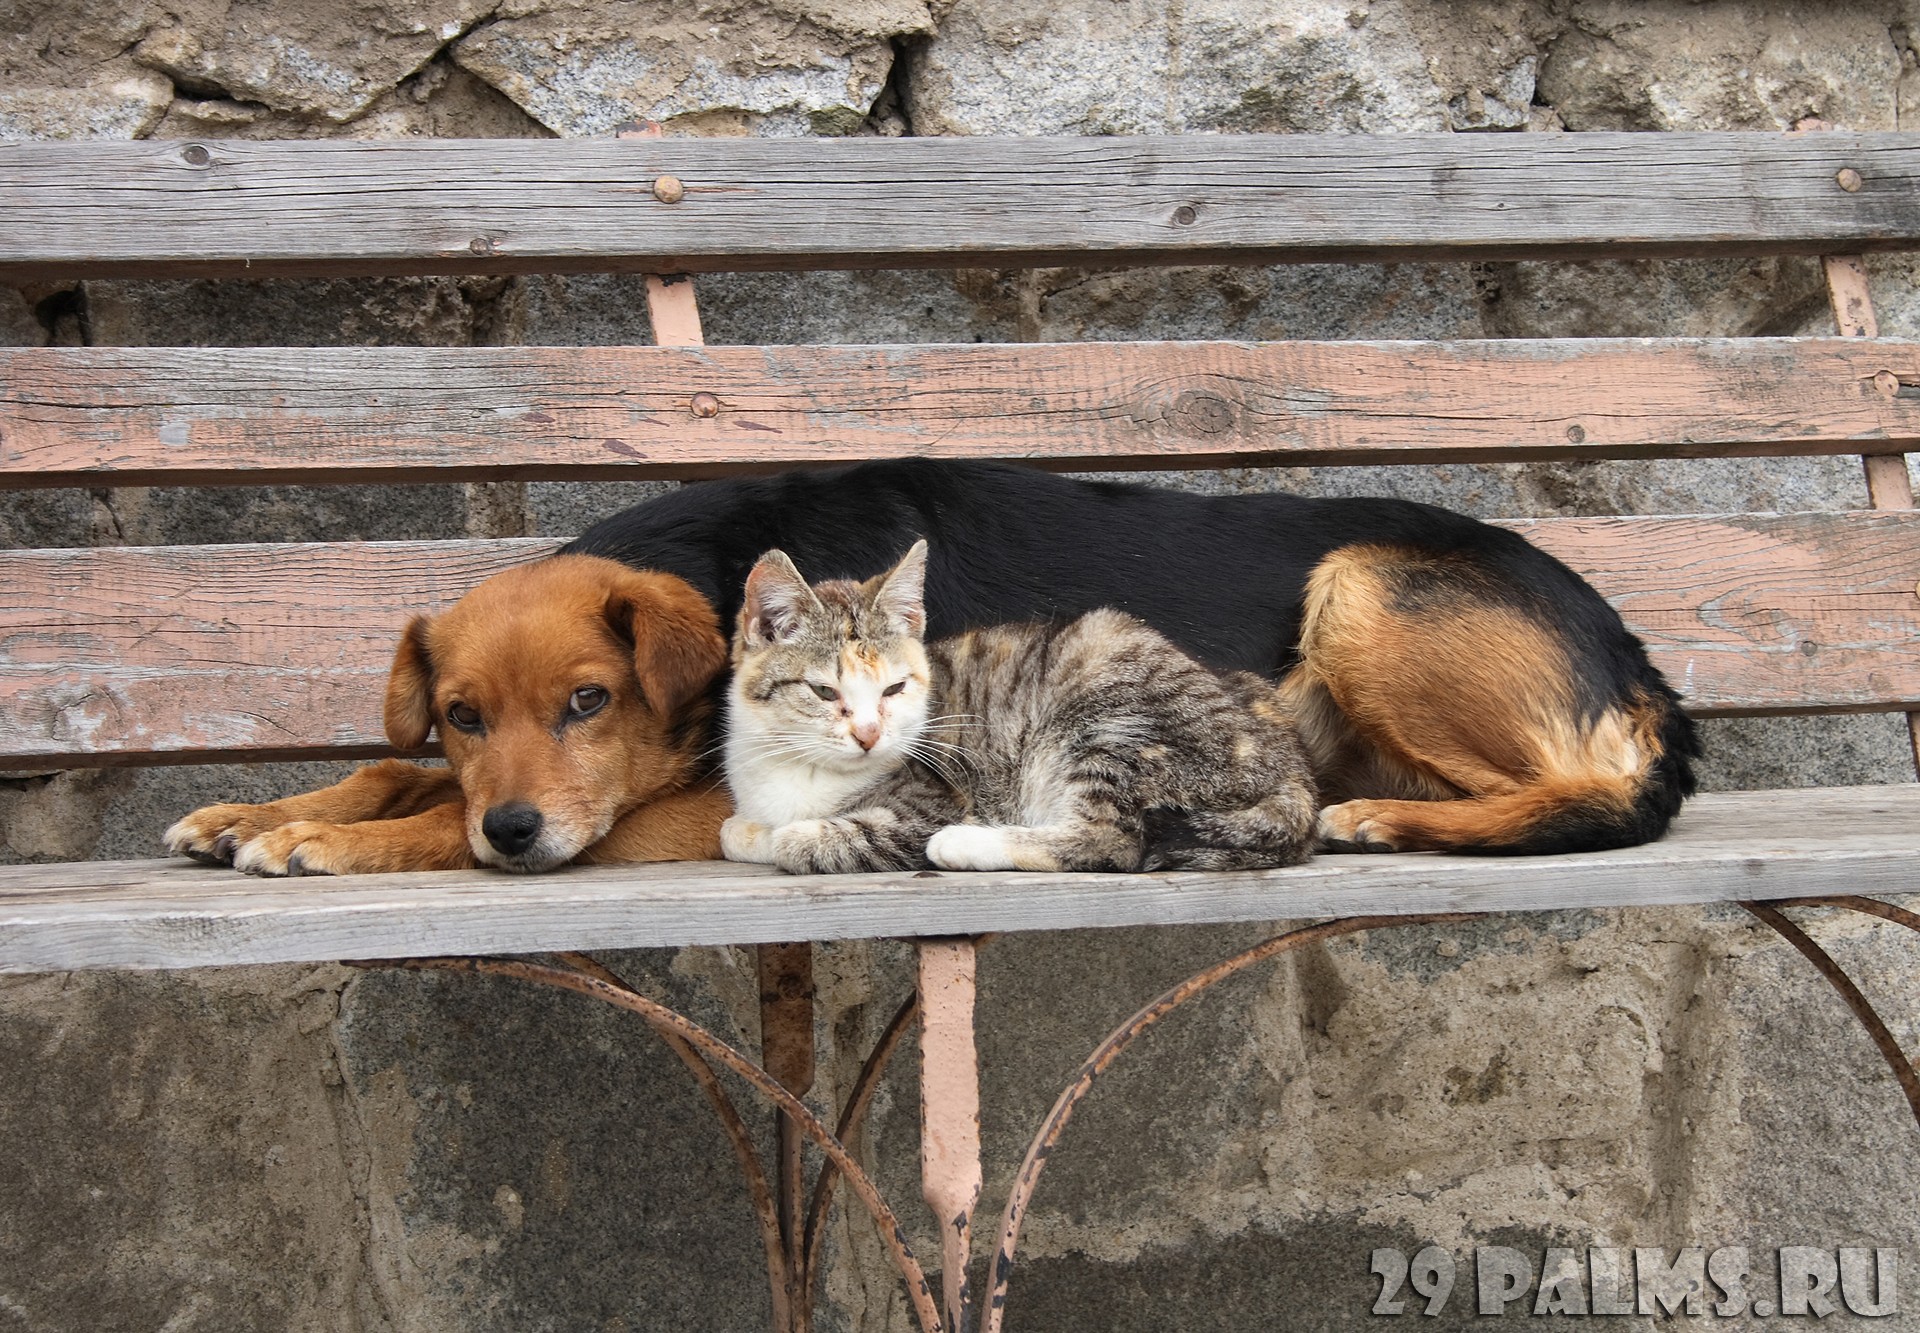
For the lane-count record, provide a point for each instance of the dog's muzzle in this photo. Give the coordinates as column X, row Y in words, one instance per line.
column 512, row 828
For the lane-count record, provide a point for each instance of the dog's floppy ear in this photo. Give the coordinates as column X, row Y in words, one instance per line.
column 409, row 713
column 675, row 633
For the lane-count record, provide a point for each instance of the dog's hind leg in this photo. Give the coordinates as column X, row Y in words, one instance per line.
column 390, row 789
column 1452, row 716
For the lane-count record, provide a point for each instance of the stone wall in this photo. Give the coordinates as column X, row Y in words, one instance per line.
column 308, row 1148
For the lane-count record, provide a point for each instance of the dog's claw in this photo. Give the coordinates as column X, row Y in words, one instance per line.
column 224, row 847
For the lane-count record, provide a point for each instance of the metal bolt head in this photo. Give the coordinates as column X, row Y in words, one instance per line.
column 704, row 405
column 1849, row 180
column 196, row 155
column 480, row 245
column 1576, row 434
column 1185, row 215
column 669, row 190
column 1887, row 382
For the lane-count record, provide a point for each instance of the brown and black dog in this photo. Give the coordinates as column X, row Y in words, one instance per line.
column 1458, row 689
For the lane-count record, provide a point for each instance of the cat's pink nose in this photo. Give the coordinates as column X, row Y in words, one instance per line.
column 867, row 734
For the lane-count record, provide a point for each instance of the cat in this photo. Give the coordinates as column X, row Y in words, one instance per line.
column 1093, row 744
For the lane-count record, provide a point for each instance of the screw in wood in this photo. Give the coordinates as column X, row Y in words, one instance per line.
column 1886, row 382
column 704, row 405
column 1185, row 215
column 480, row 245
column 1849, row 180
column 669, row 190
column 1576, row 434
column 196, row 155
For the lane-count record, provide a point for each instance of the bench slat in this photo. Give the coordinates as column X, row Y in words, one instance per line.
column 238, row 209
column 141, row 655
column 145, row 416
column 153, row 914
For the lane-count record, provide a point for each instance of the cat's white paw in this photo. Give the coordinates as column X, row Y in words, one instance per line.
column 743, row 840
column 970, row 847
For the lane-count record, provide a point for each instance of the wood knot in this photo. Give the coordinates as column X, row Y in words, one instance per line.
column 1198, row 412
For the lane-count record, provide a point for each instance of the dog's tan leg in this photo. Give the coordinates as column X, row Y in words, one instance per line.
column 682, row 827
column 390, row 789
column 434, row 839
column 1465, row 733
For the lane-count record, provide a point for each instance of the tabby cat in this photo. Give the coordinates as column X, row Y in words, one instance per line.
column 1091, row 745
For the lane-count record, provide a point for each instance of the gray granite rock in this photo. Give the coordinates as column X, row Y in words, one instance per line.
column 323, row 58
column 1133, row 67
column 741, row 66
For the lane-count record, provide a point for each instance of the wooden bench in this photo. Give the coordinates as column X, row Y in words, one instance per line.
column 235, row 653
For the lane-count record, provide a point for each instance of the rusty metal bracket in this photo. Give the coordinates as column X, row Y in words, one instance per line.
column 1883, row 1038
column 1124, row 1036
column 950, row 1138
column 666, row 1021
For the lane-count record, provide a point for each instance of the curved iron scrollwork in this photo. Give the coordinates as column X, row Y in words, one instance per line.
column 793, row 1254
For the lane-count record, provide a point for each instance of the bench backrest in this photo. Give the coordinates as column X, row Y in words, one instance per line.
column 142, row 655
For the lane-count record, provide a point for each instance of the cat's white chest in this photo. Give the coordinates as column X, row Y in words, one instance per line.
column 777, row 790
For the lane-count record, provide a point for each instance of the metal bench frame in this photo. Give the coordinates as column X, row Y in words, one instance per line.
column 671, row 208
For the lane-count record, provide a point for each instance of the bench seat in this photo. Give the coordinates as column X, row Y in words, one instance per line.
column 174, row 914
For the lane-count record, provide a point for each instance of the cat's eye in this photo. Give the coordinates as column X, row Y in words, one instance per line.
column 585, row 702
column 894, row 688
column 826, row 692
column 463, row 717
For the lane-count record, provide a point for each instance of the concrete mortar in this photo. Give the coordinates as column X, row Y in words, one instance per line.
column 309, row 1148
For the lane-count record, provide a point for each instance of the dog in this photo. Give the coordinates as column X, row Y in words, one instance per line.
column 1457, row 688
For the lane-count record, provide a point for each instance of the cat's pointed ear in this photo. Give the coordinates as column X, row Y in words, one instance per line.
column 777, row 598
column 901, row 596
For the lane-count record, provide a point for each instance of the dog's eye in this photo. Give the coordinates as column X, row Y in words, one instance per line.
column 463, row 717
column 586, row 701
column 894, row 688
column 824, row 691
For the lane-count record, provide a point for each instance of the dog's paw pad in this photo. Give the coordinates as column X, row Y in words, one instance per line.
column 292, row 849
column 1350, row 827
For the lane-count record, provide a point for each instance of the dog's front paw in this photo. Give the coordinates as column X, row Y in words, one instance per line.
column 743, row 840
column 302, row 848
column 214, row 832
column 1351, row 827
column 970, row 847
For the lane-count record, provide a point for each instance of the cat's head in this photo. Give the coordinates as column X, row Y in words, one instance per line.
column 834, row 673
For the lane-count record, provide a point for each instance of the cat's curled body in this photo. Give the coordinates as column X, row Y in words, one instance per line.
column 1089, row 745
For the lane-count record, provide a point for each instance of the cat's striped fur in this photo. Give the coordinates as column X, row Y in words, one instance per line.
column 1093, row 744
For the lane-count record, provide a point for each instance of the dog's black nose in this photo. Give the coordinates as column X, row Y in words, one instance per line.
column 511, row 828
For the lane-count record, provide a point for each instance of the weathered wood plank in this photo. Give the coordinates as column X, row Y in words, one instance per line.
column 140, row 416
column 246, row 651
column 145, row 914
column 143, row 655
column 233, row 208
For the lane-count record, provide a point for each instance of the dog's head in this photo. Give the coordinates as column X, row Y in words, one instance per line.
column 566, row 692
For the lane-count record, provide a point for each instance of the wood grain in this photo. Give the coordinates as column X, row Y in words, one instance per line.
column 151, row 914
column 75, row 210
column 132, row 655
column 215, row 652
column 139, row 416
